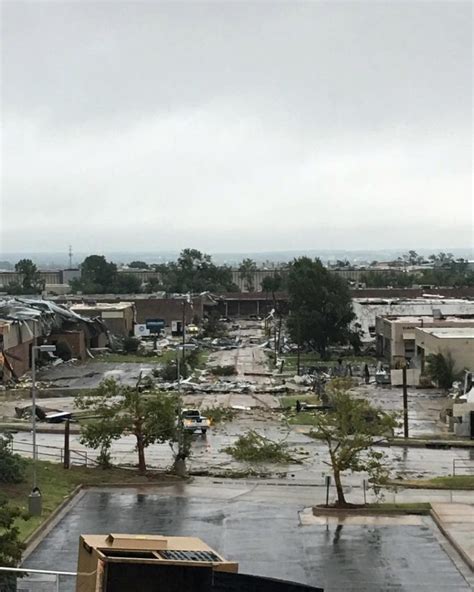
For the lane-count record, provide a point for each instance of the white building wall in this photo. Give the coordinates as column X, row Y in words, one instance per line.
column 367, row 309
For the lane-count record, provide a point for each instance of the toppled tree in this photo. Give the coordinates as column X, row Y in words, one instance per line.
column 117, row 409
column 11, row 546
column 320, row 306
column 441, row 369
column 252, row 447
column 219, row 414
column 350, row 430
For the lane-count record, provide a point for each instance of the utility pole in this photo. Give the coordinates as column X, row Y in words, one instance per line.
column 405, row 402
column 67, row 454
column 34, row 498
column 184, row 331
column 34, row 349
column 178, row 370
column 298, row 358
column 70, row 256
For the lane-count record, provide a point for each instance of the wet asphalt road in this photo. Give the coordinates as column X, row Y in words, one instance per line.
column 267, row 539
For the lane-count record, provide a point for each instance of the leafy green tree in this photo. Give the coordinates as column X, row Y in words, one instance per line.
column 441, row 369
column 449, row 274
column 212, row 326
column 343, row 263
column 11, row 547
column 441, row 259
column 138, row 265
column 247, row 269
column 127, row 283
column 349, row 430
column 30, row 282
column 194, row 272
column 273, row 284
column 413, row 258
column 320, row 305
column 117, row 409
column 98, row 276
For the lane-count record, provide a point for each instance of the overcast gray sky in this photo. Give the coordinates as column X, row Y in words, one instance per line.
column 236, row 126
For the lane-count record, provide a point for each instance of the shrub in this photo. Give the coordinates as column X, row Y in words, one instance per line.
column 130, row 345
column 169, row 371
column 223, row 370
column 441, row 369
column 192, row 358
column 12, row 467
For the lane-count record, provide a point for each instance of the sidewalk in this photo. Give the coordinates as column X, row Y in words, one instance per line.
column 456, row 521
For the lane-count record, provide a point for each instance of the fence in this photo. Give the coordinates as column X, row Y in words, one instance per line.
column 36, row 580
column 54, row 453
column 463, row 466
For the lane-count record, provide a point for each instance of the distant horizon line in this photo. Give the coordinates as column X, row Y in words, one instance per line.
column 255, row 252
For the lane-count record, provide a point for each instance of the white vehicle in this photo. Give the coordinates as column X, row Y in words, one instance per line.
column 193, row 420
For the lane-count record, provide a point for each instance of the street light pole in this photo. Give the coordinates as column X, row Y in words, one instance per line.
column 184, row 331
column 34, row 349
column 34, row 499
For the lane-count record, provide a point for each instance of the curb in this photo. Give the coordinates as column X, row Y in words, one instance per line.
column 402, row 443
column 34, row 539
column 439, row 523
column 323, row 511
column 134, row 485
column 11, row 427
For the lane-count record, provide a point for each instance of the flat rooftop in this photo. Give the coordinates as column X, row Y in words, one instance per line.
column 450, row 332
column 431, row 299
column 100, row 306
column 429, row 319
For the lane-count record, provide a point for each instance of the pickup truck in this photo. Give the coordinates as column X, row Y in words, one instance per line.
column 193, row 420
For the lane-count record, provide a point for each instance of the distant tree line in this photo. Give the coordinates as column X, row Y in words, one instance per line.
column 193, row 272
column 443, row 271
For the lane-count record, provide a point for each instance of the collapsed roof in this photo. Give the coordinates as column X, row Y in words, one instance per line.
column 50, row 317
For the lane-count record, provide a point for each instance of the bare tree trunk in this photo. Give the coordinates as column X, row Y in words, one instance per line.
column 341, row 500
column 141, row 455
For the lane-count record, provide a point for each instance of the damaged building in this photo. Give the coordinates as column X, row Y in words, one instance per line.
column 25, row 322
column 368, row 309
column 118, row 317
column 396, row 335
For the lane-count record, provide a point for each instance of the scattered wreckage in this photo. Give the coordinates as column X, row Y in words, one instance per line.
column 42, row 414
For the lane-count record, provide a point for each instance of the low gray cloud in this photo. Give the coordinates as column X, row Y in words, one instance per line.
column 236, row 126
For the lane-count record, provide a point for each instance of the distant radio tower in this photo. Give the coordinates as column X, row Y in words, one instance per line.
column 70, row 257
